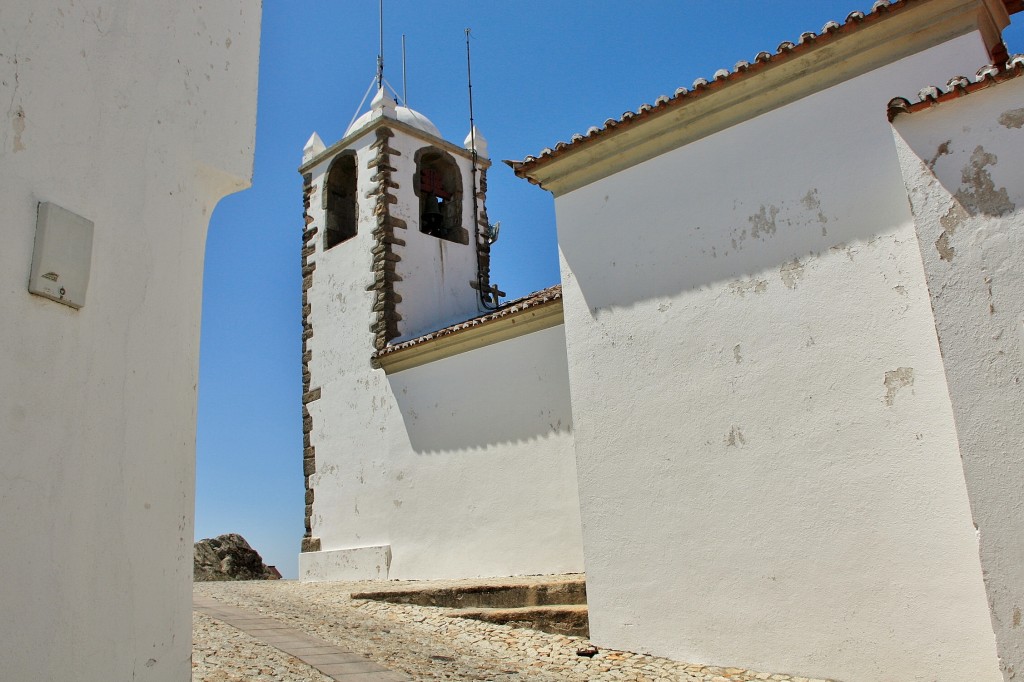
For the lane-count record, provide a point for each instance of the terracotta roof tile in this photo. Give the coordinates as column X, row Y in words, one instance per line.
column 533, row 300
column 956, row 87
column 832, row 30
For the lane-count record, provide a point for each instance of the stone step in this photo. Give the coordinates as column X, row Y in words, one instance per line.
column 560, row 619
column 572, row 592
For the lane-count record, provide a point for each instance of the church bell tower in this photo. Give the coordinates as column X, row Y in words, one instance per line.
column 396, row 244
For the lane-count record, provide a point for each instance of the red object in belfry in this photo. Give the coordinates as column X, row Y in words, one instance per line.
column 430, row 182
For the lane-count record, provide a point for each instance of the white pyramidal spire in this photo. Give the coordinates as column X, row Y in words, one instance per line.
column 475, row 136
column 314, row 145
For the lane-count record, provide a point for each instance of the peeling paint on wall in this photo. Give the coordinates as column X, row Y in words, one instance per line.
column 763, row 222
column 901, row 377
column 942, row 150
column 791, row 273
column 978, row 193
column 952, row 219
column 742, row 287
column 812, row 202
column 1014, row 118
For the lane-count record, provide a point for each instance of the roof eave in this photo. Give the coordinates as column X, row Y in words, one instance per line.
column 881, row 37
column 956, row 88
column 526, row 321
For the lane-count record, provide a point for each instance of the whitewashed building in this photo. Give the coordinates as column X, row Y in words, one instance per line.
column 791, row 322
column 433, row 447
column 123, row 123
column 822, row 468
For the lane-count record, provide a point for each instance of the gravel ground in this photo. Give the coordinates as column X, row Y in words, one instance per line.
column 420, row 641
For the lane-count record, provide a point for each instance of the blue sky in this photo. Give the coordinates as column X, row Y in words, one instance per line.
column 542, row 70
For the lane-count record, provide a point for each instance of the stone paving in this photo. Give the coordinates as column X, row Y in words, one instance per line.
column 416, row 642
column 331, row 661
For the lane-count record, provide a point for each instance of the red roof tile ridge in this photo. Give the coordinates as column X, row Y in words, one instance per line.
column 533, row 300
column 958, row 86
column 742, row 69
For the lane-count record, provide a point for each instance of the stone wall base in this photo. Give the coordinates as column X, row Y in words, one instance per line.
column 360, row 563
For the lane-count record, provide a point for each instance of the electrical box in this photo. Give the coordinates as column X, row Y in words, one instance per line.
column 62, row 255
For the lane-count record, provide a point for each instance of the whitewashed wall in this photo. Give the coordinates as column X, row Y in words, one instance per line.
column 462, row 467
column 139, row 116
column 963, row 163
column 768, row 467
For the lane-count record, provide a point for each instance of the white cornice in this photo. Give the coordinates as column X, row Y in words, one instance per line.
column 394, row 124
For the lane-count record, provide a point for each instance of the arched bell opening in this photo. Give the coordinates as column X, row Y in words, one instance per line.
column 439, row 187
column 340, row 199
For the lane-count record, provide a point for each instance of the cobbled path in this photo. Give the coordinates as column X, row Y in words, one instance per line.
column 419, row 641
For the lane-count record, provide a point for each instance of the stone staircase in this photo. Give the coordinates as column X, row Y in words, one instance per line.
column 555, row 606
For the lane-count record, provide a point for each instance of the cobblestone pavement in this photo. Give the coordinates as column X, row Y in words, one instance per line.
column 420, row 641
column 220, row 653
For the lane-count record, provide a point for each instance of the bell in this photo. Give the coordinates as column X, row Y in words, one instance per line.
column 432, row 221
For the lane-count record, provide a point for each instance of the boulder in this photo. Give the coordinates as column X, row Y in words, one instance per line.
column 229, row 557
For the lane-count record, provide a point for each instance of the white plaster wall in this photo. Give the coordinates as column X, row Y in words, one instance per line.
column 139, row 116
column 962, row 163
column 768, row 468
column 463, row 466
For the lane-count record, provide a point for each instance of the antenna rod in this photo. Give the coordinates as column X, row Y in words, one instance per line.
column 405, row 84
column 380, row 53
column 485, row 296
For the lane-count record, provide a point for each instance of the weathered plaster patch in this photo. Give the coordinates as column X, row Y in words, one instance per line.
column 735, row 437
column 744, row 286
column 978, row 194
column 942, row 150
column 812, row 202
column 1016, row 616
column 737, row 353
column 901, row 377
column 763, row 222
column 1014, row 118
column 952, row 219
column 791, row 273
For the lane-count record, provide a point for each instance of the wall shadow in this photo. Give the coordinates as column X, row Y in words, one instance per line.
column 512, row 391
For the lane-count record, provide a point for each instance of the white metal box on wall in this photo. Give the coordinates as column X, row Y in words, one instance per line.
column 62, row 255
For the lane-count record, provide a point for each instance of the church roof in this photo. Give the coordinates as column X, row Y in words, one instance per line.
column 957, row 87
column 532, row 302
column 830, row 32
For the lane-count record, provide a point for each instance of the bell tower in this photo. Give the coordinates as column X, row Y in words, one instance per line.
column 396, row 244
column 393, row 184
